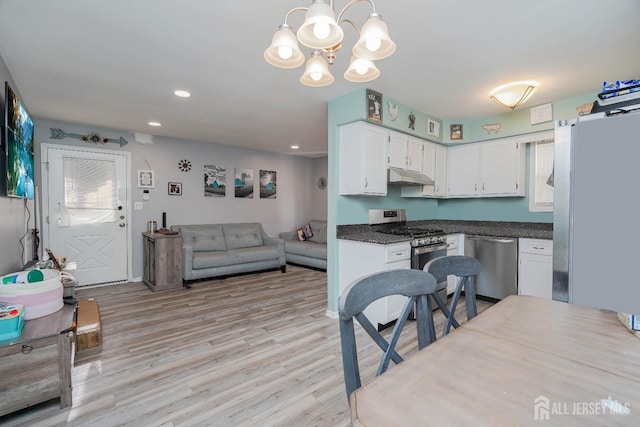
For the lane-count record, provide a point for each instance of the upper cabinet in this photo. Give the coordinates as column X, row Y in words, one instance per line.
column 489, row 169
column 484, row 169
column 363, row 159
column 502, row 169
column 434, row 165
column 404, row 152
column 463, row 168
column 414, row 154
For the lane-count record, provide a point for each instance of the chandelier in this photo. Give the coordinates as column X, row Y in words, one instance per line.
column 321, row 32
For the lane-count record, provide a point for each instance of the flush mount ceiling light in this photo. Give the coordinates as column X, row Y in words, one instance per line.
column 182, row 93
column 514, row 94
column 321, row 32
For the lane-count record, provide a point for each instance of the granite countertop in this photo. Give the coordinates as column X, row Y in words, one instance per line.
column 532, row 230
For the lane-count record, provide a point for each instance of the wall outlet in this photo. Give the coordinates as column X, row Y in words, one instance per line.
column 137, row 206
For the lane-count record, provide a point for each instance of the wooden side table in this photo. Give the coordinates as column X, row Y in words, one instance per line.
column 162, row 261
column 36, row 366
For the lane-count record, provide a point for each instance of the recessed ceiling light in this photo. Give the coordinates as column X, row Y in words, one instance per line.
column 295, row 147
column 155, row 124
column 182, row 93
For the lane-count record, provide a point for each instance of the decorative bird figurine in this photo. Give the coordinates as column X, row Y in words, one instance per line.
column 393, row 111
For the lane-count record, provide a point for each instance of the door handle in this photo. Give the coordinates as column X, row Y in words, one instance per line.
column 490, row 239
column 122, row 225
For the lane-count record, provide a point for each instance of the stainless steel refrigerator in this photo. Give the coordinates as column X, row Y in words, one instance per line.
column 596, row 219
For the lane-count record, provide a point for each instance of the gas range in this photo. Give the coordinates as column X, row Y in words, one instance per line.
column 393, row 221
column 419, row 236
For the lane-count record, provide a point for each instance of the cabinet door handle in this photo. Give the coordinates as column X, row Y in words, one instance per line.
column 483, row 186
column 475, row 187
column 366, row 183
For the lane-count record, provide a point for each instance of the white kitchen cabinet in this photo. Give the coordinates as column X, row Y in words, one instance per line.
column 404, row 152
column 362, row 159
column 463, row 170
column 359, row 259
column 414, row 154
column 434, row 165
column 487, row 169
column 535, row 267
column 502, row 166
column 455, row 246
column 397, row 150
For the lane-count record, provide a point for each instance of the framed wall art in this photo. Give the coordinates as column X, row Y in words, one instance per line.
column 243, row 183
column 374, row 106
column 146, row 179
column 175, row 189
column 215, row 181
column 456, row 132
column 433, row 128
column 268, row 184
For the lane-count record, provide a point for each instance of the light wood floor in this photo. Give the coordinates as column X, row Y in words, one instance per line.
column 251, row 350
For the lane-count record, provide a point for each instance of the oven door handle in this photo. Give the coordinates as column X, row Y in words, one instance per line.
column 426, row 249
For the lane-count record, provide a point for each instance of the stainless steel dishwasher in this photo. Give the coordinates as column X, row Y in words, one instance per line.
column 499, row 259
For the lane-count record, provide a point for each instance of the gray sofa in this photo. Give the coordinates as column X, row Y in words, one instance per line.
column 311, row 252
column 210, row 250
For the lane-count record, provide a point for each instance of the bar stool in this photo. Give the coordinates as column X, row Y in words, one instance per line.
column 466, row 269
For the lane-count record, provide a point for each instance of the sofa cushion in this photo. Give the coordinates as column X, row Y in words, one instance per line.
column 206, row 237
column 308, row 248
column 319, row 229
column 210, row 259
column 242, row 235
column 254, row 254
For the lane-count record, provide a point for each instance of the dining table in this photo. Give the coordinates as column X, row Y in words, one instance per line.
column 524, row 361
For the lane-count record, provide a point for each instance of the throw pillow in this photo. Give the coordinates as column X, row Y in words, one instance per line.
column 304, row 232
column 307, row 230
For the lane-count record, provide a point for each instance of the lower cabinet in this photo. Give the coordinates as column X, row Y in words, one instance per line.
column 535, row 267
column 359, row 259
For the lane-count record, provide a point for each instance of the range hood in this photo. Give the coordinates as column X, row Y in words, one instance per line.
column 407, row 177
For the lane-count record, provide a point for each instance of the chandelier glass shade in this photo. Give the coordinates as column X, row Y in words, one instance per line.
column 321, row 31
column 374, row 42
column 361, row 70
column 316, row 72
column 284, row 51
column 512, row 95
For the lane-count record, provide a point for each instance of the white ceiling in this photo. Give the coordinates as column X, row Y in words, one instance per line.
column 116, row 63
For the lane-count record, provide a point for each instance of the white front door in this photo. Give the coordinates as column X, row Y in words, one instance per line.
column 87, row 211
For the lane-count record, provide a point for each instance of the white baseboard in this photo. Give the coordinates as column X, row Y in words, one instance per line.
column 331, row 314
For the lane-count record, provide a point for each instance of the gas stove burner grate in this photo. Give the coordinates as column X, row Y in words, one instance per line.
column 412, row 231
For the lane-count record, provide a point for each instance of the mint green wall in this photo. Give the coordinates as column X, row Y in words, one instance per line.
column 517, row 122
column 354, row 209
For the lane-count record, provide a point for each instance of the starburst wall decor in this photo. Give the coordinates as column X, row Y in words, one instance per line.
column 184, row 165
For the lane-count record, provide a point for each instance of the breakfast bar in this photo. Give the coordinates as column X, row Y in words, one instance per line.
column 522, row 361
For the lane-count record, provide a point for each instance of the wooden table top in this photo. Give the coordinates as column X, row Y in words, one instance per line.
column 518, row 362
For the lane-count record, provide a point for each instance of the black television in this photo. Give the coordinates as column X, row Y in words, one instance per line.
column 18, row 147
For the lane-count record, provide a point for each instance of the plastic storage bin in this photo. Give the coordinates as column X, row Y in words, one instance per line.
column 39, row 298
column 11, row 320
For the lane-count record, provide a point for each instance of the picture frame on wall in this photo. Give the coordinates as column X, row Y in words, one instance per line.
column 433, row 128
column 374, row 106
column 175, row 188
column 146, row 179
column 456, row 132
